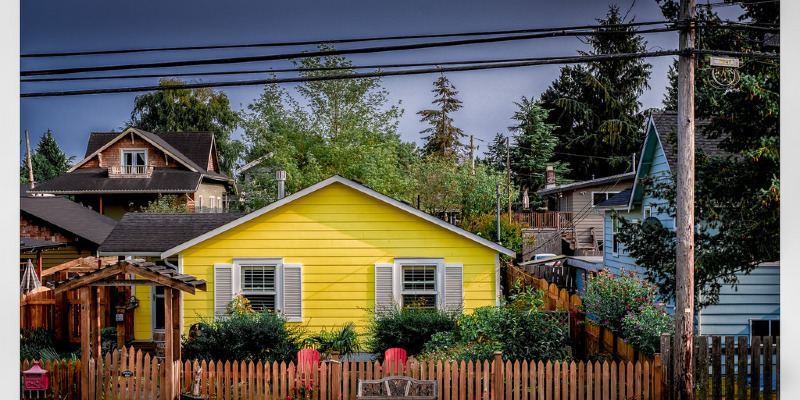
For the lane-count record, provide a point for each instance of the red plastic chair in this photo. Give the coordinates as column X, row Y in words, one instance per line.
column 307, row 357
column 395, row 360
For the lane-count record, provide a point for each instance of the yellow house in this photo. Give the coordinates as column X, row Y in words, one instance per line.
column 327, row 254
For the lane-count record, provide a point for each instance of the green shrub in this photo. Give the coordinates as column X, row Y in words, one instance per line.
column 344, row 340
column 520, row 328
column 609, row 297
column 627, row 305
column 643, row 328
column 408, row 328
column 261, row 336
column 37, row 344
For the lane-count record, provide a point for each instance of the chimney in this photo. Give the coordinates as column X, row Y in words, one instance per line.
column 549, row 177
column 281, row 177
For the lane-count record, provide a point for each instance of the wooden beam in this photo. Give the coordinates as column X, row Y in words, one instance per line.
column 177, row 323
column 161, row 279
column 87, row 263
column 125, row 282
column 95, row 321
column 86, row 327
column 169, row 365
column 88, row 279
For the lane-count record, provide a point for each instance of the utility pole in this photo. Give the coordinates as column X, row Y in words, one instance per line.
column 30, row 167
column 508, row 171
column 472, row 154
column 684, row 230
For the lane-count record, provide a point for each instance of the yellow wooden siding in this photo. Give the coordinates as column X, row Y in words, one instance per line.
column 338, row 234
column 142, row 315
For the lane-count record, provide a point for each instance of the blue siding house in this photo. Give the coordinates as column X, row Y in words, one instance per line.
column 754, row 306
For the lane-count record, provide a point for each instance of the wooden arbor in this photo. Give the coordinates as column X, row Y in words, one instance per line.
column 124, row 273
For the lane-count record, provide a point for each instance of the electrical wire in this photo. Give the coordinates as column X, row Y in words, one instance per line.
column 352, row 40
column 326, row 53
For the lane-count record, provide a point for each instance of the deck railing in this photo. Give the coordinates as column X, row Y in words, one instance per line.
column 548, row 219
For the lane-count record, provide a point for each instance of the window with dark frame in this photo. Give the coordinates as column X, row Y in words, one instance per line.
column 258, row 286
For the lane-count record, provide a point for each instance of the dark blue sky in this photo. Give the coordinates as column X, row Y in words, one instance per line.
column 488, row 96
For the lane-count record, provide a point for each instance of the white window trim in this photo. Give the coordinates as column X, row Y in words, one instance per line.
column 608, row 196
column 750, row 325
column 647, row 212
column 130, row 150
column 399, row 263
column 614, row 230
column 238, row 263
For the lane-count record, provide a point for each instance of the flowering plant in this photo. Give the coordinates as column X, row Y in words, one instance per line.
column 643, row 328
column 609, row 297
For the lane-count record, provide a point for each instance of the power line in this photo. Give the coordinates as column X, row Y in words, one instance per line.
column 376, row 74
column 339, row 41
column 365, row 50
column 261, row 71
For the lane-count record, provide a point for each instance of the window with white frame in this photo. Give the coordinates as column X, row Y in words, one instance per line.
column 258, row 285
column 614, row 232
column 268, row 283
column 647, row 212
column 419, row 285
column 599, row 197
column 427, row 282
column 134, row 161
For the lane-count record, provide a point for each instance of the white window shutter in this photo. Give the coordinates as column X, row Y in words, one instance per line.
column 223, row 289
column 293, row 292
column 454, row 287
column 384, row 286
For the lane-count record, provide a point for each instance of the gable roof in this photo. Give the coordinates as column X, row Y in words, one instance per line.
column 150, row 137
column 661, row 133
column 150, row 234
column 353, row 185
column 68, row 216
column 613, row 179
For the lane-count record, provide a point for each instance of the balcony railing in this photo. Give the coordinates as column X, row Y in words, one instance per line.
column 130, row 171
column 548, row 219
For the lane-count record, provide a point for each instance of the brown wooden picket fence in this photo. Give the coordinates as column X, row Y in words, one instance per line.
column 64, row 378
column 496, row 380
column 336, row 380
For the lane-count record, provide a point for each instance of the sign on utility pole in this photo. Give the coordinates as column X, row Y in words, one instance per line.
column 684, row 229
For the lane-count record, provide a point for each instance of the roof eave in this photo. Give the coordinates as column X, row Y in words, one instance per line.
column 353, row 185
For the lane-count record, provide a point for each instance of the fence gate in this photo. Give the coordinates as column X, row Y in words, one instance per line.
column 125, row 374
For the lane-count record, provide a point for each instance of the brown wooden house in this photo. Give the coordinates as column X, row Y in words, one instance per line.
column 122, row 172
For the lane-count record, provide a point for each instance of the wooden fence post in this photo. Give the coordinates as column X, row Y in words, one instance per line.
column 336, row 372
column 666, row 371
column 497, row 376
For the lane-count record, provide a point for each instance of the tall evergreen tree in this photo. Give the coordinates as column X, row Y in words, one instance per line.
column 48, row 161
column 737, row 198
column 495, row 155
column 533, row 147
column 443, row 138
column 596, row 107
column 186, row 110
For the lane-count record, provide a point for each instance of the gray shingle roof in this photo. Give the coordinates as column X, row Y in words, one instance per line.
column 666, row 125
column 156, row 233
column 613, row 179
column 620, row 199
column 96, row 180
column 68, row 216
column 28, row 245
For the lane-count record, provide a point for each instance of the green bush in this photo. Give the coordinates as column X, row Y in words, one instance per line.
column 609, row 297
column 261, row 336
column 627, row 305
column 519, row 328
column 37, row 344
column 643, row 328
column 408, row 328
column 344, row 340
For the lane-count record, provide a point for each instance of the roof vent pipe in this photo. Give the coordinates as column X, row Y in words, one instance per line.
column 281, row 177
column 549, row 177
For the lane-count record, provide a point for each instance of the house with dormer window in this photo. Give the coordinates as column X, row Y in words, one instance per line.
column 123, row 171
